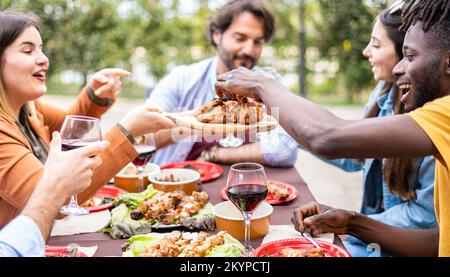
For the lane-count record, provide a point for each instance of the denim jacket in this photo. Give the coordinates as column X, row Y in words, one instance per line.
column 378, row 202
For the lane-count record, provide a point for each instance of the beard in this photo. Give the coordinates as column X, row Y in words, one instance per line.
column 228, row 59
column 428, row 88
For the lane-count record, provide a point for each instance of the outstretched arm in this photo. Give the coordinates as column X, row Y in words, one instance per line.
column 326, row 134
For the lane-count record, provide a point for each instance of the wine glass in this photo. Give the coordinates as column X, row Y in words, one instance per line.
column 78, row 131
column 146, row 150
column 246, row 189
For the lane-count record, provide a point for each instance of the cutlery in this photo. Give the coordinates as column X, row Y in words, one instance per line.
column 310, row 239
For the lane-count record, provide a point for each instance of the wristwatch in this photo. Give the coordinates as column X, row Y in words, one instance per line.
column 103, row 102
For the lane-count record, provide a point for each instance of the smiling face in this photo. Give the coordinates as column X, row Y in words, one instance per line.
column 381, row 54
column 24, row 66
column 422, row 74
column 241, row 44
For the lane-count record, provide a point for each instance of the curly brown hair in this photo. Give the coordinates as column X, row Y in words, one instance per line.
column 221, row 20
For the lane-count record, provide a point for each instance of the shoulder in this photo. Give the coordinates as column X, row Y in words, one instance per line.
column 191, row 69
column 435, row 113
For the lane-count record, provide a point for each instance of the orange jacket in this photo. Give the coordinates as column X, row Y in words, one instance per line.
column 20, row 170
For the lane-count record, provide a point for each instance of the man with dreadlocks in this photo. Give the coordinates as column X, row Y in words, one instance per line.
column 424, row 79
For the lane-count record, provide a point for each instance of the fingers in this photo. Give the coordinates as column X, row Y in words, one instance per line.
column 93, row 149
column 111, row 88
column 164, row 122
column 55, row 144
column 151, row 108
column 95, row 162
column 114, row 72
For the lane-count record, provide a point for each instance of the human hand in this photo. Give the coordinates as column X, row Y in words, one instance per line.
column 316, row 219
column 145, row 119
column 244, row 82
column 106, row 82
column 70, row 172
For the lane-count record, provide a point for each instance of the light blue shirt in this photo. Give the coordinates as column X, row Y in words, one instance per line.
column 188, row 87
column 21, row 238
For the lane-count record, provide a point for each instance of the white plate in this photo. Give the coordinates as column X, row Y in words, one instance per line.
column 188, row 120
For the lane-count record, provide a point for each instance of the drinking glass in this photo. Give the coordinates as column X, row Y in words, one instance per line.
column 246, row 189
column 78, row 131
column 146, row 150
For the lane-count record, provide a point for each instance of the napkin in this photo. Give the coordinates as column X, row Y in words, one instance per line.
column 89, row 223
column 89, row 251
column 278, row 232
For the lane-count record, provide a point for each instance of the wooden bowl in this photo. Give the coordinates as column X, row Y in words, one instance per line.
column 187, row 180
column 229, row 218
column 130, row 182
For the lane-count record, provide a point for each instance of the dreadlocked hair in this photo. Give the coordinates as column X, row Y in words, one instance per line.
column 429, row 12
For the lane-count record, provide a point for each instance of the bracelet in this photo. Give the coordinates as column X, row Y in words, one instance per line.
column 125, row 133
column 103, row 102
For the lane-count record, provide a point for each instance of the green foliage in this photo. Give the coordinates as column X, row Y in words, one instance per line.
column 344, row 29
column 87, row 35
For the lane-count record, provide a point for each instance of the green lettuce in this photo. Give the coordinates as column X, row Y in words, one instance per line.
column 137, row 244
column 123, row 226
column 231, row 248
column 132, row 200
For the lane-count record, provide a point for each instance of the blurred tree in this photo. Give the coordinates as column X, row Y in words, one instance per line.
column 80, row 35
column 344, row 30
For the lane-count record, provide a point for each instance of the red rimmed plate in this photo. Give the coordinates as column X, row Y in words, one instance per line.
column 61, row 251
column 106, row 191
column 273, row 249
column 271, row 199
column 208, row 171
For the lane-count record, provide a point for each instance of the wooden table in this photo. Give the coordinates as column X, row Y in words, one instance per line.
column 281, row 215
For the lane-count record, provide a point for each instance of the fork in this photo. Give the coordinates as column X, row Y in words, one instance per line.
column 310, row 239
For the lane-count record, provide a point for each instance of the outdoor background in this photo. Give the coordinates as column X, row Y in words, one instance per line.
column 150, row 37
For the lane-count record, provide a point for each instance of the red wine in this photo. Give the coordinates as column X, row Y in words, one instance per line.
column 68, row 145
column 247, row 197
column 145, row 154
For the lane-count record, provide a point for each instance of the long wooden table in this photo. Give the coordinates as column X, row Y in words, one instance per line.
column 281, row 215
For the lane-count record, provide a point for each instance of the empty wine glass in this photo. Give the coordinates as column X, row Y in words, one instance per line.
column 78, row 131
column 246, row 189
column 146, row 150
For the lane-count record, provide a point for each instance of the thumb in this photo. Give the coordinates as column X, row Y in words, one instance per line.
column 55, row 144
column 98, row 80
column 315, row 220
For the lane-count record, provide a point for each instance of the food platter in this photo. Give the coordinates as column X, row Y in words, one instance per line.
column 188, row 120
column 62, row 251
column 274, row 248
column 271, row 199
column 105, row 192
column 208, row 171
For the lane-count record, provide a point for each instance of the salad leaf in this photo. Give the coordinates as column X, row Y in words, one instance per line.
column 132, row 200
column 136, row 244
column 203, row 220
column 231, row 248
column 122, row 226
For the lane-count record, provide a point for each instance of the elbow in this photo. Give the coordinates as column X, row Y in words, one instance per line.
column 325, row 146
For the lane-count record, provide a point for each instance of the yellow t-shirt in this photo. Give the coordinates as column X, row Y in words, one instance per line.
column 434, row 119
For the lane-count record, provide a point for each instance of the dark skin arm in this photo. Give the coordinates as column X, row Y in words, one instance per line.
column 324, row 133
column 317, row 218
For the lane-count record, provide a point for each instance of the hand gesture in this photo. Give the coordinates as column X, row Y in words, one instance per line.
column 145, row 119
column 316, row 219
column 70, row 172
column 106, row 82
column 245, row 83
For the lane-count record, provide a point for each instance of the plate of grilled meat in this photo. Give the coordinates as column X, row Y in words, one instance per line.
column 228, row 116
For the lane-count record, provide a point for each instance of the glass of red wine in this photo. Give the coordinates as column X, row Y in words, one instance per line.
column 78, row 131
column 146, row 150
column 246, row 189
